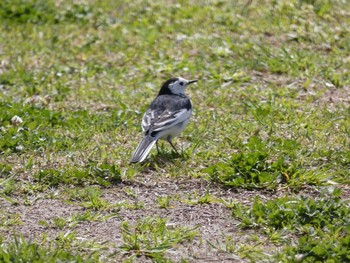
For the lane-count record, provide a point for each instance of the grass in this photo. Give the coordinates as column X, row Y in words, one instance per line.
column 21, row 250
column 263, row 173
column 152, row 237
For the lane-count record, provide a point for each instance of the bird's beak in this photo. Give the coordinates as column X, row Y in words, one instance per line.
column 192, row 81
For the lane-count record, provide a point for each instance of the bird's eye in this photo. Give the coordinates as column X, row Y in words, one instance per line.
column 181, row 83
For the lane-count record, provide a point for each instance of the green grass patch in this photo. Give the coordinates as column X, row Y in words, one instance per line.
column 326, row 247
column 325, row 212
column 264, row 164
column 321, row 223
column 101, row 174
column 39, row 128
column 21, row 250
column 151, row 237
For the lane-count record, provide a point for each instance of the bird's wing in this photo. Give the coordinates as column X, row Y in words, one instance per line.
column 148, row 119
column 169, row 119
column 154, row 121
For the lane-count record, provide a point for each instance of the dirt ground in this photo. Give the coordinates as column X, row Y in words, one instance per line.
column 214, row 220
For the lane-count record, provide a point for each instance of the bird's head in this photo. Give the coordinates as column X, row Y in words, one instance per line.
column 175, row 86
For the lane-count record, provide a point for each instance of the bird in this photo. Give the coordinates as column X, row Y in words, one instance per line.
column 166, row 117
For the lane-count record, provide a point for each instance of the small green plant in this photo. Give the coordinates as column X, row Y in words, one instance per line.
column 164, row 201
column 131, row 192
column 59, row 222
column 7, row 186
column 130, row 205
column 88, row 216
column 5, row 169
column 7, row 219
column 44, row 223
column 151, row 237
column 83, row 194
column 96, row 202
column 66, row 240
column 195, row 199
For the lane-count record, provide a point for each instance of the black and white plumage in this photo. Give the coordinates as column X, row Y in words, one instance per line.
column 166, row 117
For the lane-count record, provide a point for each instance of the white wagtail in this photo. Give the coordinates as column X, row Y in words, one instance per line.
column 167, row 116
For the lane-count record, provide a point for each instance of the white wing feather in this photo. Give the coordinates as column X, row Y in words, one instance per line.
column 169, row 119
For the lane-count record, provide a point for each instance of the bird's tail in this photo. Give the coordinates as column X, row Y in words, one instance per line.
column 143, row 149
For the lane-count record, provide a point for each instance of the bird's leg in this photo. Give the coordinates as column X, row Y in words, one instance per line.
column 169, row 140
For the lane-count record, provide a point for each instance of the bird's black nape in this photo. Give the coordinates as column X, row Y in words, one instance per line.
column 165, row 87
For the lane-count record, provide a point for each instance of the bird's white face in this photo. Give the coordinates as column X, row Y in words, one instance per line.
column 178, row 87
